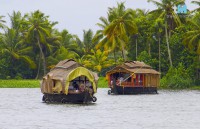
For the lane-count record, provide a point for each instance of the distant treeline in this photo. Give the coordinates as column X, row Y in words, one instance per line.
column 166, row 39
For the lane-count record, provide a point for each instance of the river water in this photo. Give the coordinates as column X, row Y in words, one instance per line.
column 23, row 109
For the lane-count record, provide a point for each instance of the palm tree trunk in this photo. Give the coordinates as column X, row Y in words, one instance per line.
column 198, row 68
column 136, row 48
column 167, row 41
column 115, row 57
column 123, row 53
column 43, row 57
column 149, row 47
column 159, row 53
column 170, row 34
column 38, row 70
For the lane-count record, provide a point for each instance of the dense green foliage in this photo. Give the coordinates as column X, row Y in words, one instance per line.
column 177, row 78
column 102, row 82
column 19, row 83
column 167, row 41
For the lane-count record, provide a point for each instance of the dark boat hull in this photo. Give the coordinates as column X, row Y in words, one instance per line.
column 84, row 97
column 133, row 90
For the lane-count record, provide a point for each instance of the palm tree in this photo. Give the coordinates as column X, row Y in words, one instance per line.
column 88, row 41
column 2, row 22
column 105, row 42
column 15, row 48
column 16, row 20
column 97, row 60
column 192, row 38
column 67, row 39
column 1, row 26
column 100, row 33
column 119, row 27
column 102, row 40
column 159, row 29
column 39, row 29
column 165, row 10
column 13, row 43
column 62, row 43
column 61, row 53
column 140, row 16
column 144, row 21
column 83, row 47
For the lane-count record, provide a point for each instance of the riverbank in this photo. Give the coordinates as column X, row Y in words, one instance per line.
column 19, row 83
column 102, row 83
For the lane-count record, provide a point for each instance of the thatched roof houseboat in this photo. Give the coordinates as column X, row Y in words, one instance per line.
column 133, row 77
column 68, row 81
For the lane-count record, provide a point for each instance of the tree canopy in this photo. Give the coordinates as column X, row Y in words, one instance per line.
column 35, row 46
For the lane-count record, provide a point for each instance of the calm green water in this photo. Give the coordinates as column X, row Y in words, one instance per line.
column 23, row 109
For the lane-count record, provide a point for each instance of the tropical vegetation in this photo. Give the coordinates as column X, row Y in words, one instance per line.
column 163, row 38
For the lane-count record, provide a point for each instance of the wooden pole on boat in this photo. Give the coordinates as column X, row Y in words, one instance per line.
column 123, row 89
column 114, row 86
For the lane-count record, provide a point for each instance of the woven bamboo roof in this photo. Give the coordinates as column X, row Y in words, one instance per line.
column 134, row 67
column 63, row 68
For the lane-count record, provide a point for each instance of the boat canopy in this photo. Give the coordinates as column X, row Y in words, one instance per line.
column 79, row 71
column 58, row 79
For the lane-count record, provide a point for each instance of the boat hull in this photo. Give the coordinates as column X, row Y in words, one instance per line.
column 133, row 90
column 84, row 97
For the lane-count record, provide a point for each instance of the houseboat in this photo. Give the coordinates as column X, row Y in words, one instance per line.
column 69, row 82
column 133, row 77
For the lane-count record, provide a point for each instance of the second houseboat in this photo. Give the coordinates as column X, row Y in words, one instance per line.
column 133, row 77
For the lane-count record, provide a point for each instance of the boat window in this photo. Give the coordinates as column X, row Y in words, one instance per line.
column 81, row 80
column 138, row 81
column 127, row 77
column 121, row 78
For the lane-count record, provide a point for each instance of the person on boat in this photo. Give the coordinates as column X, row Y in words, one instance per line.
column 75, row 85
column 82, row 87
column 88, row 87
column 111, row 82
column 120, row 80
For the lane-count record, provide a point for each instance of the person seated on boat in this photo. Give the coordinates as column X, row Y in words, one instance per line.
column 71, row 87
column 88, row 84
column 120, row 80
column 90, row 89
column 75, row 85
column 111, row 83
column 82, row 87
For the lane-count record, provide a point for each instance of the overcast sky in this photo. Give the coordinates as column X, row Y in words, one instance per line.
column 73, row 15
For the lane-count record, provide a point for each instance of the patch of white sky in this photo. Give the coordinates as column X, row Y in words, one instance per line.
column 73, row 15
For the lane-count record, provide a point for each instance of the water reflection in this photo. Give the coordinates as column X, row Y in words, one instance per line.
column 24, row 109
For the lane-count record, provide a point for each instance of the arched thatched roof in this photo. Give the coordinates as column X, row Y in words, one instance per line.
column 62, row 72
